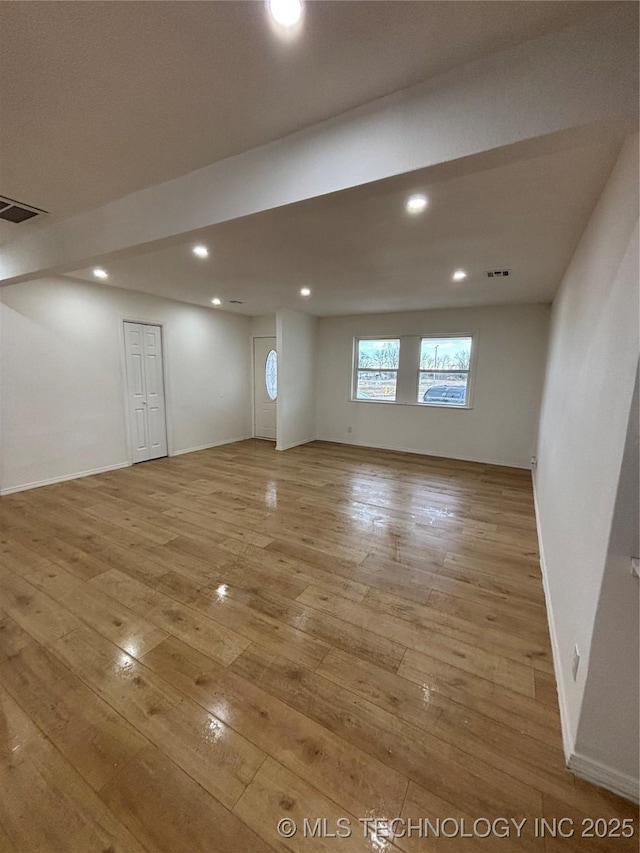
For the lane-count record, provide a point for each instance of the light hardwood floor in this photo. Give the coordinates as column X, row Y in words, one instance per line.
column 194, row 648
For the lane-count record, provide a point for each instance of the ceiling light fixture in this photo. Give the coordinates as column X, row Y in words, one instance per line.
column 416, row 204
column 216, row 301
column 201, row 251
column 100, row 273
column 459, row 275
column 287, row 13
column 305, row 291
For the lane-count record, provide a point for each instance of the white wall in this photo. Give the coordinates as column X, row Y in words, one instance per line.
column 264, row 326
column 61, row 381
column 296, row 345
column 510, row 344
column 608, row 728
column 587, row 399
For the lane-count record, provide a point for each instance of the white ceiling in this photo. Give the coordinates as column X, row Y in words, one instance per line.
column 360, row 252
column 101, row 99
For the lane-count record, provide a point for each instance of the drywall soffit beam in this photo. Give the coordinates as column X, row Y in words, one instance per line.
column 580, row 77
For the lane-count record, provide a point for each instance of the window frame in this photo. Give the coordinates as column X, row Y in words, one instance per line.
column 356, row 370
column 470, row 371
column 408, row 371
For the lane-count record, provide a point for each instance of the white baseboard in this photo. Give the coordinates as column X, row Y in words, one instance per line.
column 296, row 444
column 605, row 777
column 568, row 736
column 422, row 452
column 208, row 446
column 63, row 479
column 586, row 768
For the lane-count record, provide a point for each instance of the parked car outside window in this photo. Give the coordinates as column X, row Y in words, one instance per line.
column 452, row 394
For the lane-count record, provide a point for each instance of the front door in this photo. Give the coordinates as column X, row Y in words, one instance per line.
column 265, row 387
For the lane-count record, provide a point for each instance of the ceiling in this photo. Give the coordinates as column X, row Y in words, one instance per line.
column 101, row 99
column 359, row 251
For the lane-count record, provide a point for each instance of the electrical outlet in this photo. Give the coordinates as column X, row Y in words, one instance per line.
column 575, row 662
column 349, row 430
column 534, row 461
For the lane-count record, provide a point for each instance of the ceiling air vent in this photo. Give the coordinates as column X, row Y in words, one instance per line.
column 235, row 302
column 16, row 211
column 498, row 273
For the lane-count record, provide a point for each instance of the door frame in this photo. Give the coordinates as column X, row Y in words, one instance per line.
column 255, row 338
column 168, row 418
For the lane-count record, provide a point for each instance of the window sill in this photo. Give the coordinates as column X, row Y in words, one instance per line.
column 416, row 404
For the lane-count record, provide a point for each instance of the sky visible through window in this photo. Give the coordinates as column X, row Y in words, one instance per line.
column 445, row 354
column 379, row 354
column 443, row 369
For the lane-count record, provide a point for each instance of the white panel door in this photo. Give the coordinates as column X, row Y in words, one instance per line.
column 145, row 391
column 265, row 387
column 154, row 380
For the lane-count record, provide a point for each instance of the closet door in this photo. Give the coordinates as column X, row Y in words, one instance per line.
column 154, row 381
column 146, row 417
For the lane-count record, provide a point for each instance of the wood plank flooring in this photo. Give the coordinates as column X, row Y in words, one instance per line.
column 193, row 648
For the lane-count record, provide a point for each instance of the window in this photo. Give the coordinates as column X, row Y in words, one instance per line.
column 414, row 370
column 443, row 378
column 377, row 364
column 271, row 374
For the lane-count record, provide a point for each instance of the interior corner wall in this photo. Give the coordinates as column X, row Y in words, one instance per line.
column 62, row 381
column 593, row 357
column 609, row 731
column 510, row 343
column 296, row 346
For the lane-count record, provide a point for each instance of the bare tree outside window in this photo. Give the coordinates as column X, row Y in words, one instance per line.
column 444, row 371
column 441, row 378
column 377, row 369
column 462, row 359
column 379, row 355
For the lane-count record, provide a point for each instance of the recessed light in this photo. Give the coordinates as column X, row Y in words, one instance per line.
column 100, row 273
column 201, row 251
column 459, row 275
column 287, row 13
column 305, row 291
column 416, row 204
column 216, row 301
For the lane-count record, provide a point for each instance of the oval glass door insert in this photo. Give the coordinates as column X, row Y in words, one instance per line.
column 271, row 374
